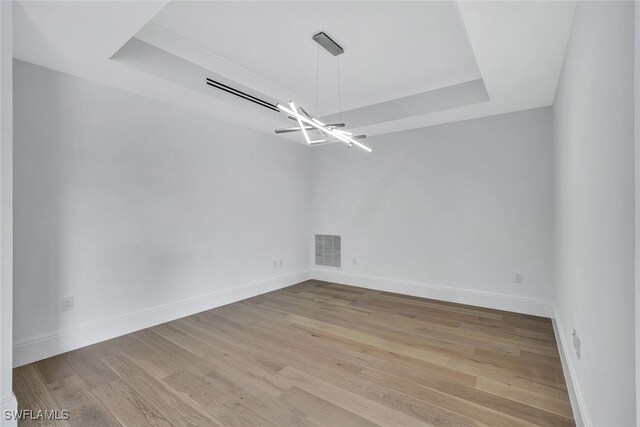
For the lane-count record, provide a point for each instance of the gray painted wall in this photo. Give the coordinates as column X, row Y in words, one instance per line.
column 461, row 205
column 7, row 399
column 593, row 132
column 128, row 203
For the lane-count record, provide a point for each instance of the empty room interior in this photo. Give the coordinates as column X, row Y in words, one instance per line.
column 319, row 213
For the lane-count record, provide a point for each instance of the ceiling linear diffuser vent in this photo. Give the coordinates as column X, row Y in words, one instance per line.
column 328, row 250
column 242, row 94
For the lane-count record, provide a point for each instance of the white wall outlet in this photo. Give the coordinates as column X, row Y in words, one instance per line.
column 576, row 342
column 280, row 262
column 354, row 261
column 275, row 263
column 517, row 278
column 66, row 303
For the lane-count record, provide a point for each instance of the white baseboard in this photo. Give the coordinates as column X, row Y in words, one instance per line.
column 573, row 387
column 8, row 404
column 493, row 300
column 56, row 342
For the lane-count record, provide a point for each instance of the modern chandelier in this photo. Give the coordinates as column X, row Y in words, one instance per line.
column 308, row 123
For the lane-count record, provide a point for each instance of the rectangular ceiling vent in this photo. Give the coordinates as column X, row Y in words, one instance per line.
column 241, row 94
column 328, row 250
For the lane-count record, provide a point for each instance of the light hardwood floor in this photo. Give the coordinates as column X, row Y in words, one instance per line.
column 313, row 354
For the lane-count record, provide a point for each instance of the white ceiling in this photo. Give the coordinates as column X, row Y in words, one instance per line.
column 406, row 64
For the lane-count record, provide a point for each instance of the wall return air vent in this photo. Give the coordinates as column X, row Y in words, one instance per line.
column 328, row 250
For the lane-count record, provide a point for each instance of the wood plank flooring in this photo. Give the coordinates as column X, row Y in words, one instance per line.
column 313, row 354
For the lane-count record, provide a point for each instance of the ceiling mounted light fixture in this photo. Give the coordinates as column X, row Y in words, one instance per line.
column 307, row 123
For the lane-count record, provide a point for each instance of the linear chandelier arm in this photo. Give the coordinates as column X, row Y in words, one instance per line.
column 299, row 117
column 342, row 137
column 297, row 128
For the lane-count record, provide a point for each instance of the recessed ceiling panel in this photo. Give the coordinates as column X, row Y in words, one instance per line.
column 398, row 55
column 392, row 49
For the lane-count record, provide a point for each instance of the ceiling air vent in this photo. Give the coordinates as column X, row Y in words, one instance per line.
column 328, row 250
column 241, row 94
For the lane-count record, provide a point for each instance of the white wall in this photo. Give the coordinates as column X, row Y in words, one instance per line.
column 450, row 211
column 7, row 399
column 593, row 132
column 134, row 206
column 636, row 149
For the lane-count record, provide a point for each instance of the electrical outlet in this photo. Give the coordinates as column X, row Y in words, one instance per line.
column 576, row 342
column 66, row 303
column 517, row 278
column 280, row 262
column 275, row 263
column 354, row 260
